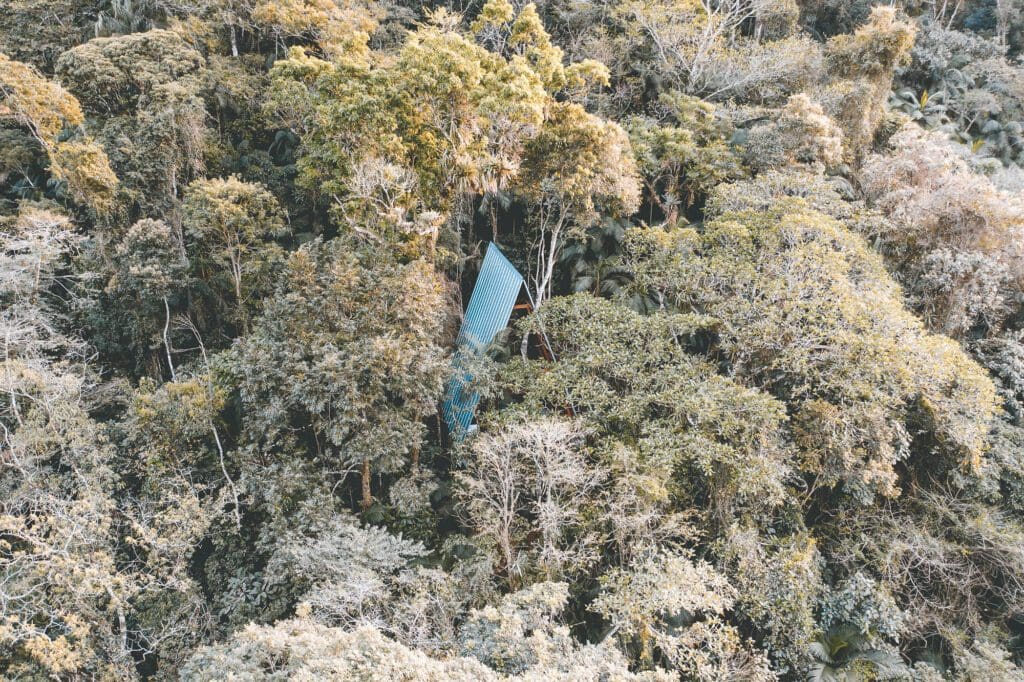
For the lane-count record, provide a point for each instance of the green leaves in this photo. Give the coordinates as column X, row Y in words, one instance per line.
column 449, row 109
column 844, row 654
column 633, row 379
column 807, row 312
column 682, row 161
column 345, row 348
column 47, row 110
column 582, row 164
column 110, row 75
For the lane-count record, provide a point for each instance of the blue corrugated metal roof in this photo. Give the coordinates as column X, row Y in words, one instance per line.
column 490, row 307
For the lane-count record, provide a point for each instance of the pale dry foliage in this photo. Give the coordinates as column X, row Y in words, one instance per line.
column 802, row 133
column 65, row 589
column 523, row 637
column 518, row 639
column 951, row 561
column 698, row 47
column 524, row 489
column 669, row 602
column 957, row 239
column 363, row 576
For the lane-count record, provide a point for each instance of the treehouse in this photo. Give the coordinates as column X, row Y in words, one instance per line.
column 499, row 290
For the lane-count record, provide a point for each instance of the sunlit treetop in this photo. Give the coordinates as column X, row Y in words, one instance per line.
column 458, row 113
column 47, row 110
column 340, row 28
column 35, row 102
column 810, row 313
column 111, row 74
column 874, row 49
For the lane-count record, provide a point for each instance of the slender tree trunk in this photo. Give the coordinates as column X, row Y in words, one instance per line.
column 236, row 275
column 122, row 624
column 167, row 339
column 415, row 454
column 367, row 500
column 1002, row 20
column 549, row 265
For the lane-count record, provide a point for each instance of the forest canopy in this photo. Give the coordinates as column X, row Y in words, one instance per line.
column 760, row 417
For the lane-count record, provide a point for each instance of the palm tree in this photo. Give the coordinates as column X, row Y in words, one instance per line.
column 594, row 264
column 846, row 654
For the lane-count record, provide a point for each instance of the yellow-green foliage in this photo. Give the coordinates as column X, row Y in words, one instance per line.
column 111, row 74
column 85, row 168
column 172, row 425
column 683, row 159
column 861, row 66
column 523, row 38
column 229, row 227
column 454, row 112
column 141, row 90
column 340, row 29
column 808, row 311
column 874, row 49
column 35, row 102
column 583, row 162
column 460, row 116
column 630, row 377
column 47, row 109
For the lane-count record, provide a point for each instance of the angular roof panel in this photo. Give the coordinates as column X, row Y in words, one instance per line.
column 490, row 307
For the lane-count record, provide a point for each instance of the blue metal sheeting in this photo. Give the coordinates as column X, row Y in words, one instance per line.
column 490, row 307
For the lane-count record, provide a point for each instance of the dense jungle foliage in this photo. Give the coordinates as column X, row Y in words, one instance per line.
column 765, row 422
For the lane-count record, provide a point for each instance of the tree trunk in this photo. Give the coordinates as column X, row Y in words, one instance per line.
column 414, row 452
column 367, row 500
column 548, row 267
